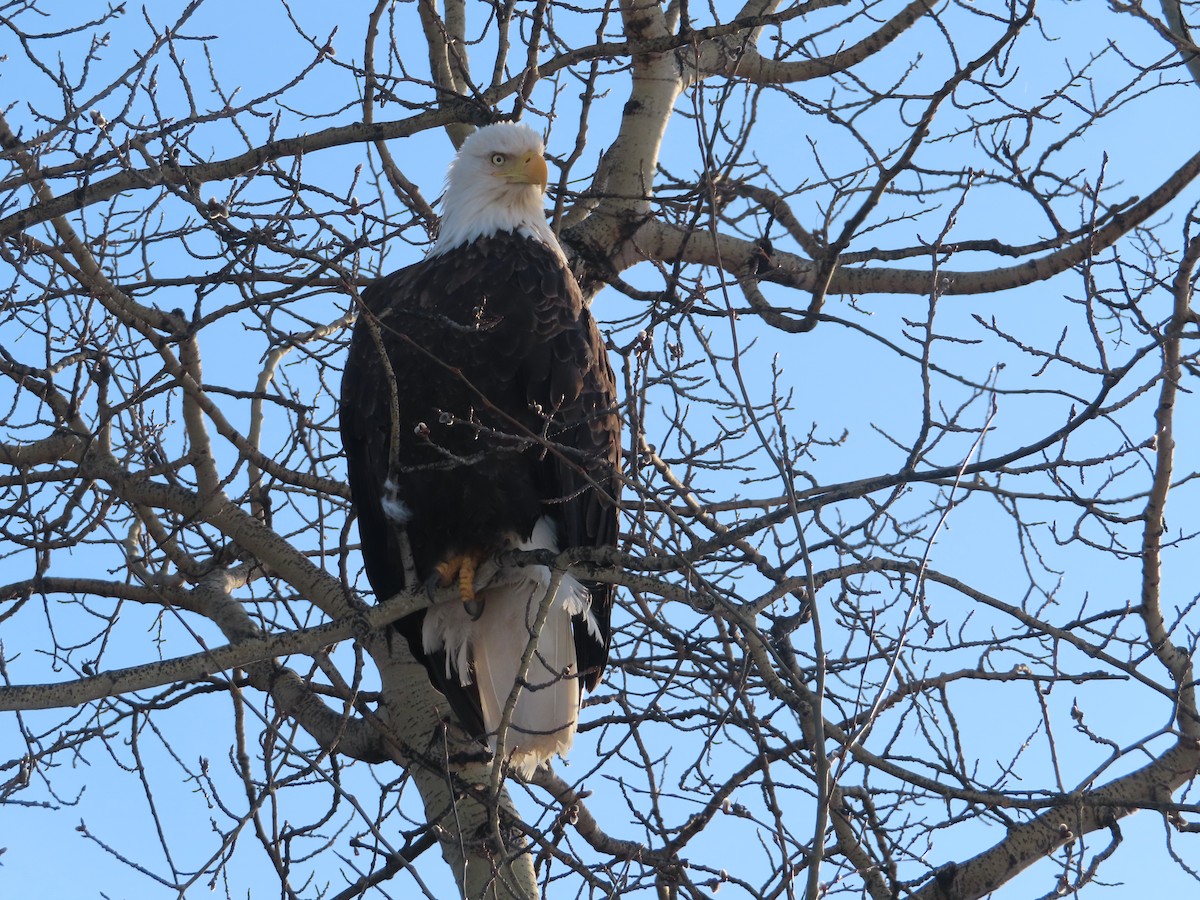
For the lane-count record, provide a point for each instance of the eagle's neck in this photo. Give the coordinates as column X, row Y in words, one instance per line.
column 483, row 207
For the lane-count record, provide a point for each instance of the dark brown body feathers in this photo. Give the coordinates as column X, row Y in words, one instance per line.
column 504, row 411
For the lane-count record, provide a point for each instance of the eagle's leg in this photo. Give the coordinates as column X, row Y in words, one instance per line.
column 462, row 566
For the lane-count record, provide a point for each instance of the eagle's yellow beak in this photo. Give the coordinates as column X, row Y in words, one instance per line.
column 528, row 169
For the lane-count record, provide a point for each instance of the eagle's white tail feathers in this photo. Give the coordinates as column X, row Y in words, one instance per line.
column 489, row 650
column 547, row 708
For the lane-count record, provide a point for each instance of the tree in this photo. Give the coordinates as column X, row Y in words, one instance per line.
column 900, row 298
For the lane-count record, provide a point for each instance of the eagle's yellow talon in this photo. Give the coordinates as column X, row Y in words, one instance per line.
column 466, row 579
column 463, row 567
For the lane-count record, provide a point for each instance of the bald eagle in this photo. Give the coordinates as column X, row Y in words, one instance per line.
column 478, row 414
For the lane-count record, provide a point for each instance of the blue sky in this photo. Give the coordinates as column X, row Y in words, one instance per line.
column 843, row 371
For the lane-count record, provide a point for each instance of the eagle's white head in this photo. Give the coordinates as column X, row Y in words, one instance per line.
column 496, row 183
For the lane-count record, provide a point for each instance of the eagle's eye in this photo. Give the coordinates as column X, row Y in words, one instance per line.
column 499, row 159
